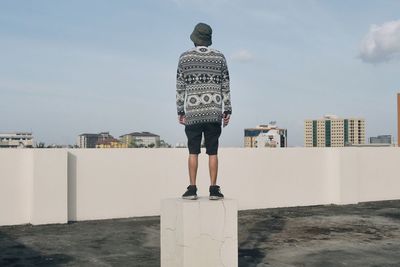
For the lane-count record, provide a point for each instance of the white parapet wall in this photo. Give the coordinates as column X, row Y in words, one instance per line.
column 33, row 186
column 55, row 185
column 49, row 187
column 15, row 186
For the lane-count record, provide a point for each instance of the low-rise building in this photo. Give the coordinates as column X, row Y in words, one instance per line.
column 89, row 140
column 381, row 139
column 264, row 136
column 17, row 139
column 141, row 139
column 110, row 143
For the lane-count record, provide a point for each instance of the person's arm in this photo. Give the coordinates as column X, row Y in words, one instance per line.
column 180, row 93
column 226, row 92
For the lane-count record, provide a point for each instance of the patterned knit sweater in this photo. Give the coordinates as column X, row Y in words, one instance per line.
column 202, row 86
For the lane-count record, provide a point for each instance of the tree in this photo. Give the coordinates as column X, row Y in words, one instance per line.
column 41, row 145
column 133, row 144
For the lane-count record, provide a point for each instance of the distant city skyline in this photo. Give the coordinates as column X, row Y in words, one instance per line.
column 70, row 67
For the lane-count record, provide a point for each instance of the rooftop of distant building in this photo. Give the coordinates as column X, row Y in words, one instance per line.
column 147, row 134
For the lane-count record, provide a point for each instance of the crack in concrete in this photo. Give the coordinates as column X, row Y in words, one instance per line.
column 224, row 225
column 210, row 236
column 223, row 234
column 183, row 246
column 221, row 242
column 220, row 252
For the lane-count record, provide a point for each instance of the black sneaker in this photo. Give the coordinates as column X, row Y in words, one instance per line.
column 215, row 192
column 191, row 193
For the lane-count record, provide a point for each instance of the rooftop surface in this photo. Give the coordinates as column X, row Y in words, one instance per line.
column 367, row 234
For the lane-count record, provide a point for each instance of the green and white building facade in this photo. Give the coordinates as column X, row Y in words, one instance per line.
column 331, row 131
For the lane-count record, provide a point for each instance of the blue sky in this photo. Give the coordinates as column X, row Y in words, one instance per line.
column 70, row 67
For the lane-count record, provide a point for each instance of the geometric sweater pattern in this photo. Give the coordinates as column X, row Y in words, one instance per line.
column 202, row 86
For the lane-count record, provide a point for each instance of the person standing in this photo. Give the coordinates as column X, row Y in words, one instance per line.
column 203, row 103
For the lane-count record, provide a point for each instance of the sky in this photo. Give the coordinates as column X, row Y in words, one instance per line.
column 73, row 67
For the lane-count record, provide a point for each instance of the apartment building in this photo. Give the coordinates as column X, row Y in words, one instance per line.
column 331, row 131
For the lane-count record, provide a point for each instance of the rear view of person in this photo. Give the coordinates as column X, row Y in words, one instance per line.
column 203, row 104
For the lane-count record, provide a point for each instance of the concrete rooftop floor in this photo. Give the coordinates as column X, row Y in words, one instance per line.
column 367, row 234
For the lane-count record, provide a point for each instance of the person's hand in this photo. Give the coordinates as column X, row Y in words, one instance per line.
column 182, row 119
column 226, row 118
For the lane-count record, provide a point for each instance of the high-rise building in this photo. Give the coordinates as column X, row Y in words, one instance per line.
column 16, row 139
column 332, row 131
column 381, row 139
column 143, row 139
column 265, row 136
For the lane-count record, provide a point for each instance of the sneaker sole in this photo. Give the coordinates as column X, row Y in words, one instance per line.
column 190, row 197
column 215, row 198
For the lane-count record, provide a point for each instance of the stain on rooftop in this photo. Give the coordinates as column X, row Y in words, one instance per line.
column 367, row 234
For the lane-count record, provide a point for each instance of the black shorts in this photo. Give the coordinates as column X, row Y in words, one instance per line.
column 211, row 131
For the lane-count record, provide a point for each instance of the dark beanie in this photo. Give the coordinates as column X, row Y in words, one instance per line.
column 201, row 34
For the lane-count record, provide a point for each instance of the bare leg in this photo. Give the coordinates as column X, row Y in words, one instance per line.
column 193, row 162
column 213, row 167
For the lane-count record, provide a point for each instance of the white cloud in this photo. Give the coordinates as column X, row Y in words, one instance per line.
column 382, row 43
column 242, row 55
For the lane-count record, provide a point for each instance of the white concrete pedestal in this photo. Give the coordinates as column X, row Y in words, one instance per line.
column 199, row 233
